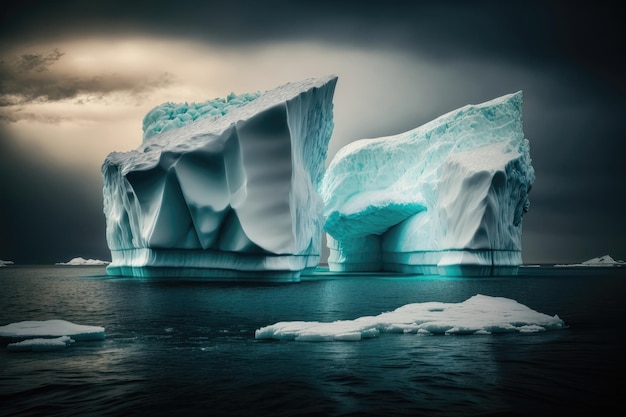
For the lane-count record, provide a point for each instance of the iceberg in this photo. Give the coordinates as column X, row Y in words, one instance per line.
column 80, row 261
column 4, row 263
column 480, row 314
column 227, row 192
column 51, row 329
column 444, row 198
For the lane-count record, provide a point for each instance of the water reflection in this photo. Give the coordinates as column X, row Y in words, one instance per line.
column 189, row 348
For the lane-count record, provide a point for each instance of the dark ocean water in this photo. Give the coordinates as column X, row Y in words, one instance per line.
column 188, row 348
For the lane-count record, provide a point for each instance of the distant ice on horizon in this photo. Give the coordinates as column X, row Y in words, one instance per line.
column 79, row 261
column 3, row 263
column 605, row 260
column 480, row 314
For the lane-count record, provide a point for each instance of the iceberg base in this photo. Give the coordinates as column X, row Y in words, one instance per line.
column 211, row 274
column 355, row 266
column 209, row 264
column 477, row 270
column 479, row 262
column 450, row 262
column 413, row 269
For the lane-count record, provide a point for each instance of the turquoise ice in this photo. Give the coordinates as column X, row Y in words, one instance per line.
column 444, row 198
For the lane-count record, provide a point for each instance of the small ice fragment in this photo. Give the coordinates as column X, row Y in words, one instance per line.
column 41, row 344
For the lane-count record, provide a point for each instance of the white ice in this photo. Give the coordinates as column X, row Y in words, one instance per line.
column 3, row 263
column 231, row 195
column 446, row 197
column 50, row 329
column 605, row 260
column 479, row 314
column 41, row 344
column 80, row 261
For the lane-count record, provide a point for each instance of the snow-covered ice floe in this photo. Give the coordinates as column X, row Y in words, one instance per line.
column 4, row 263
column 479, row 314
column 48, row 334
column 444, row 198
column 224, row 189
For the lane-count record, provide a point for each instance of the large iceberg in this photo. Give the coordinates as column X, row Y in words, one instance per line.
column 444, row 198
column 223, row 189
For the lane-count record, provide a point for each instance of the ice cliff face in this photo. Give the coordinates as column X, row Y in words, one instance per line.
column 223, row 190
column 447, row 197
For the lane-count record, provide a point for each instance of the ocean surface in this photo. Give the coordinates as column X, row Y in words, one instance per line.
column 188, row 348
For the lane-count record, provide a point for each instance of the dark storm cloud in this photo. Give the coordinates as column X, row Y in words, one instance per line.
column 519, row 30
column 37, row 62
column 27, row 78
column 545, row 34
column 48, row 213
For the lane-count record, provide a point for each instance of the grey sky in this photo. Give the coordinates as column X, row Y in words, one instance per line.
column 77, row 77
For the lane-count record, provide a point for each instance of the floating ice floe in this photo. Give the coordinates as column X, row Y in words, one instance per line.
column 41, row 344
column 479, row 314
column 48, row 334
column 3, row 263
column 51, row 328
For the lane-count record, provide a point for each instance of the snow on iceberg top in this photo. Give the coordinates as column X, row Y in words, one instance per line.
column 195, row 133
column 487, row 158
column 508, row 106
column 479, row 314
column 79, row 261
column 51, row 328
column 169, row 116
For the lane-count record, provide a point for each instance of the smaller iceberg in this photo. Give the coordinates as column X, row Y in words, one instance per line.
column 4, row 263
column 83, row 262
column 444, row 198
column 479, row 314
column 41, row 344
column 47, row 335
